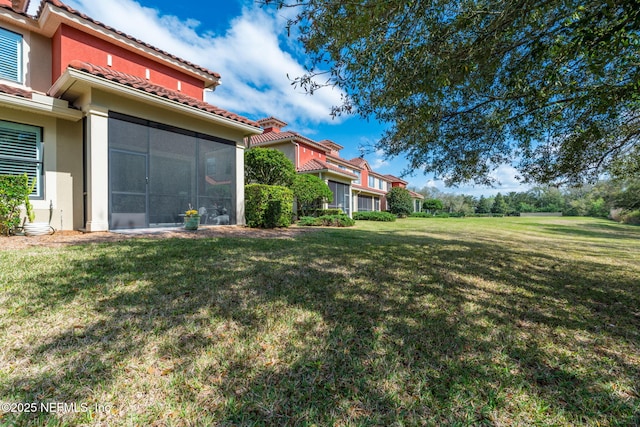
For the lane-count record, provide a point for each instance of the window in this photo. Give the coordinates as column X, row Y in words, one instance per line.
column 357, row 181
column 372, row 182
column 340, row 196
column 21, row 152
column 365, row 203
column 376, row 203
column 10, row 56
column 380, row 184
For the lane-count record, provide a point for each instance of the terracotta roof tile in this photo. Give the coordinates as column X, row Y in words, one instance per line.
column 141, row 84
column 369, row 189
column 59, row 4
column 10, row 90
column 395, row 179
column 358, row 161
column 316, row 165
column 9, row 7
column 285, row 136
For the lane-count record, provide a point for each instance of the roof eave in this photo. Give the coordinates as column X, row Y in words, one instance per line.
column 41, row 104
column 71, row 75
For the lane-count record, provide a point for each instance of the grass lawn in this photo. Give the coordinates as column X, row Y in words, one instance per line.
column 475, row 321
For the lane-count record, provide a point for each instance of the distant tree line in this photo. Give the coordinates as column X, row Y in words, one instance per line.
column 616, row 199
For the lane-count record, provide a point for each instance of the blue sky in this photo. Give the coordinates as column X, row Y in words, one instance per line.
column 249, row 47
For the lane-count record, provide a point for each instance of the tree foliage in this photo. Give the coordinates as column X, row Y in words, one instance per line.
column 483, row 206
column 499, row 206
column 310, row 191
column 399, row 201
column 268, row 166
column 467, row 86
column 432, row 205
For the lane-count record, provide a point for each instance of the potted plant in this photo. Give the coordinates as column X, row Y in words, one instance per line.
column 30, row 227
column 191, row 219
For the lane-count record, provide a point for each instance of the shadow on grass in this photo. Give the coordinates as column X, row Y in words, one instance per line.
column 598, row 230
column 346, row 326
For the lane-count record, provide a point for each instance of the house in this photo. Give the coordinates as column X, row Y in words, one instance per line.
column 355, row 185
column 115, row 131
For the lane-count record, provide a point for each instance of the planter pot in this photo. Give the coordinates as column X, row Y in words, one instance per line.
column 191, row 222
column 37, row 228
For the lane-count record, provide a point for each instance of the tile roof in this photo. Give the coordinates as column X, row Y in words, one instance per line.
column 59, row 4
column 284, row 136
column 316, row 165
column 395, row 179
column 358, row 161
column 341, row 160
column 10, row 90
column 6, row 6
column 144, row 86
column 369, row 189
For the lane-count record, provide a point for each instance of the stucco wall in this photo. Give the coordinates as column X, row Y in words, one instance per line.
column 71, row 44
column 39, row 66
column 62, row 168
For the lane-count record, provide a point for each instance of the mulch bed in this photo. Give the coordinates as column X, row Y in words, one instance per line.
column 67, row 238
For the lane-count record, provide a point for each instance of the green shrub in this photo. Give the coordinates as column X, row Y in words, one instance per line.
column 374, row 216
column 268, row 206
column 321, row 212
column 341, row 220
column 421, row 215
column 399, row 201
column 268, row 166
column 631, row 217
column 309, row 221
column 14, row 190
column 310, row 192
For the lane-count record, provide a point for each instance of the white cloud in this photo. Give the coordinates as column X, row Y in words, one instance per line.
column 379, row 160
column 505, row 175
column 249, row 57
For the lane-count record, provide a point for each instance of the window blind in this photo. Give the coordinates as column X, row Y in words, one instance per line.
column 10, row 56
column 21, row 152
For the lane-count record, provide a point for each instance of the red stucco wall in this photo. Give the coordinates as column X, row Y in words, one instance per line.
column 70, row 44
column 306, row 153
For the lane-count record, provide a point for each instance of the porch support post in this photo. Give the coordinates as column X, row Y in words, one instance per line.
column 239, row 180
column 97, row 168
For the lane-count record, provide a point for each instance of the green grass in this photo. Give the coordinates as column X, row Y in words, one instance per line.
column 474, row 321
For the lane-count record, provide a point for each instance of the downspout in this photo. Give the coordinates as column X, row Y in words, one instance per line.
column 295, row 166
column 295, row 158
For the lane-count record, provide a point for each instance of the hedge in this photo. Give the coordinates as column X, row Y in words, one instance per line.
column 374, row 216
column 268, row 206
column 341, row 220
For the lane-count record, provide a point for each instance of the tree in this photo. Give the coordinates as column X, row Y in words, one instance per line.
column 399, row 201
column 468, row 86
column 268, row 166
column 310, row 192
column 484, row 205
column 432, row 205
column 499, row 206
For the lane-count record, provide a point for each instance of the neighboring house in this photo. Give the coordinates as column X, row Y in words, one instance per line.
column 115, row 131
column 355, row 186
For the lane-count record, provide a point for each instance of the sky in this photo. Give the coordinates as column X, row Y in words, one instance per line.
column 249, row 46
